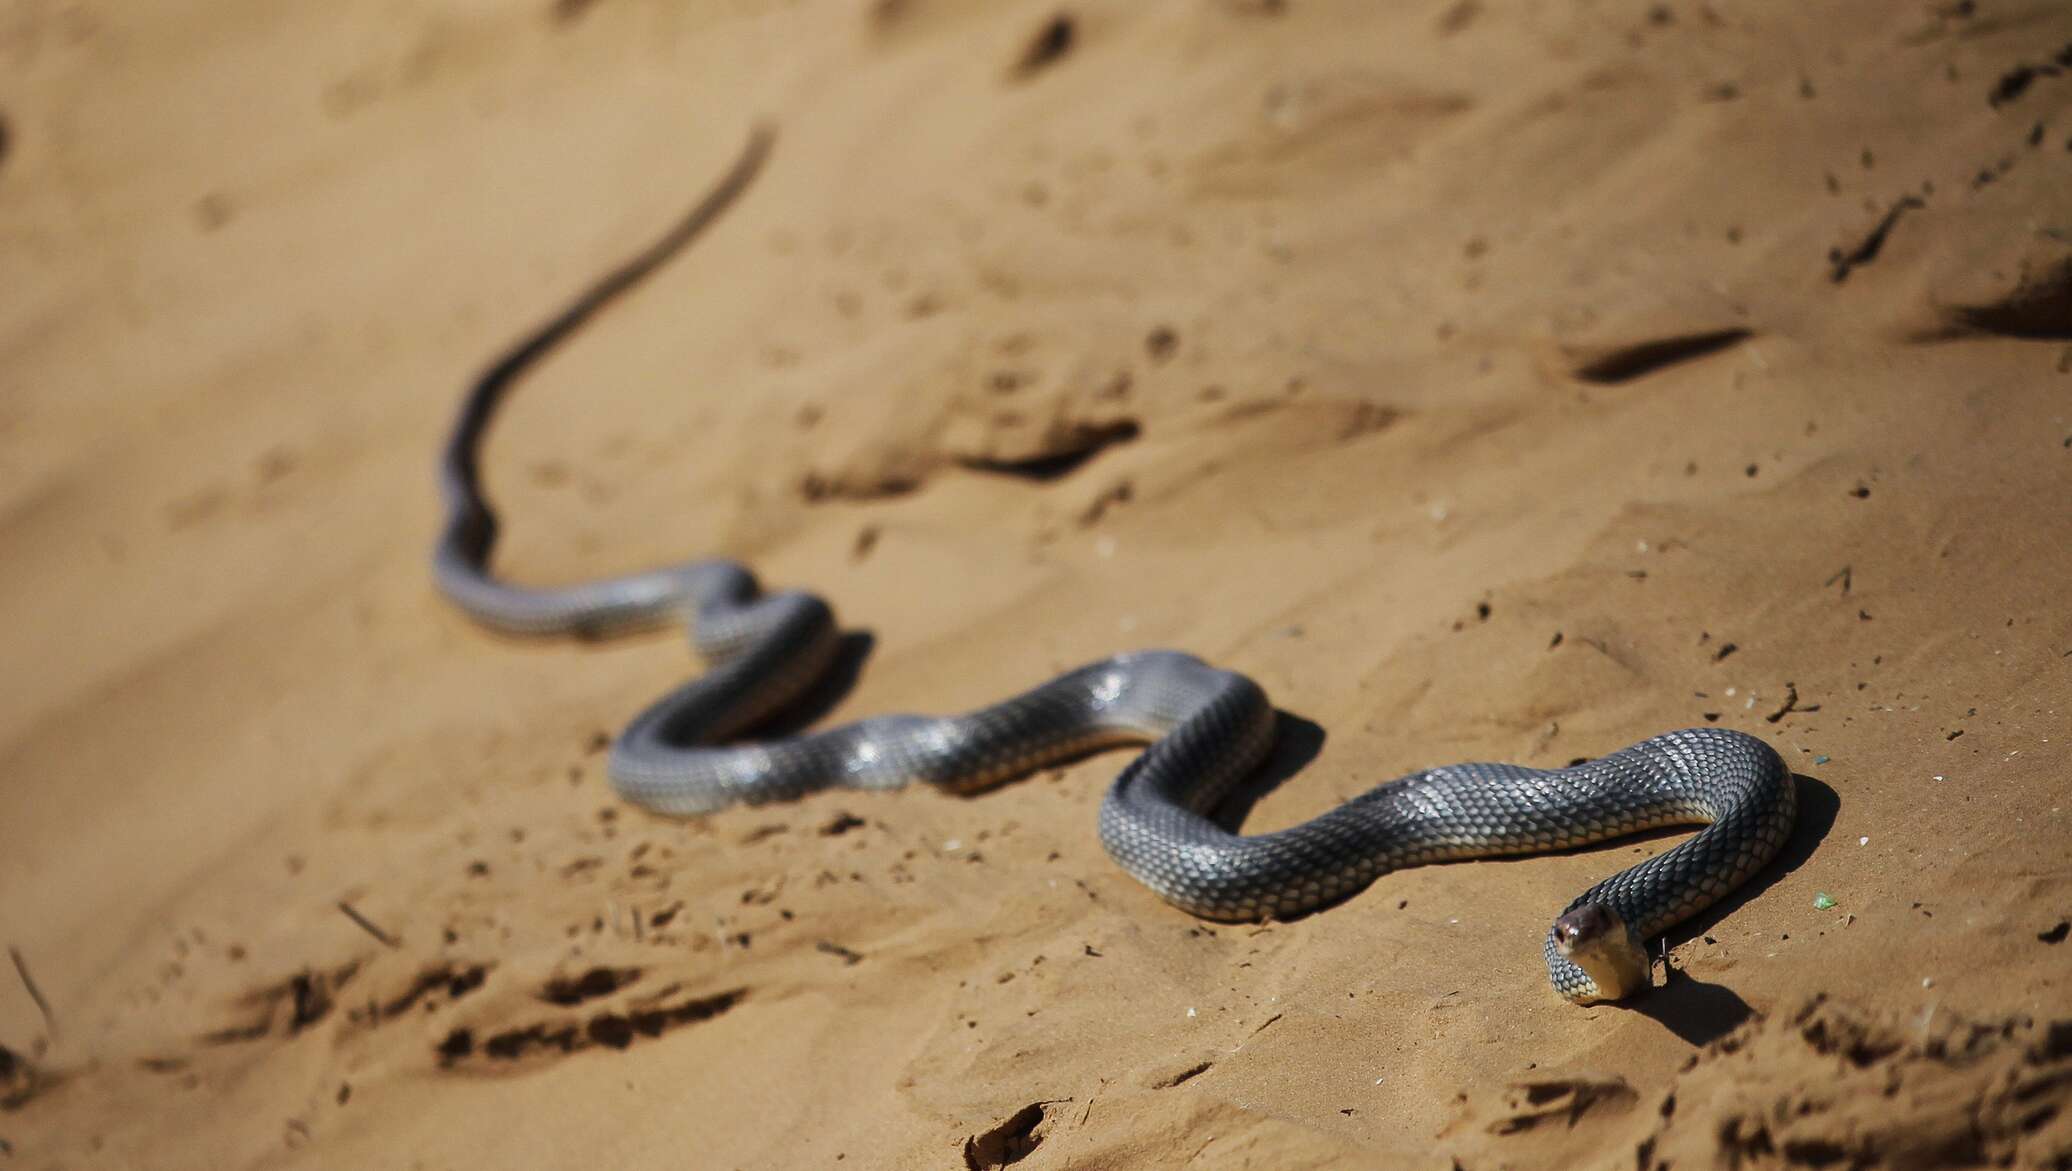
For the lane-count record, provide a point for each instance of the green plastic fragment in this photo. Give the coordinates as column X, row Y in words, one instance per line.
column 1822, row 902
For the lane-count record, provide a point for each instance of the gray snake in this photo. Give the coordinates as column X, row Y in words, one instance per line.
column 1206, row 729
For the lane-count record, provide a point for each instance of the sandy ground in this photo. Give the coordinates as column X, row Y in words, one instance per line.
column 1489, row 380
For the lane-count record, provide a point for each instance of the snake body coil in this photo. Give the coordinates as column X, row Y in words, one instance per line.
column 1206, row 728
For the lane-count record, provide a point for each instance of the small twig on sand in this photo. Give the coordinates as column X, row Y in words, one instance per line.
column 1791, row 704
column 368, row 926
column 21, row 968
column 830, row 947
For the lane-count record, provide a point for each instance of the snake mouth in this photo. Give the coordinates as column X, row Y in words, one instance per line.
column 1596, row 939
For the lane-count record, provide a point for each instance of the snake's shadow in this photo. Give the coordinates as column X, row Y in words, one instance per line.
column 820, row 700
column 1296, row 742
column 1696, row 1011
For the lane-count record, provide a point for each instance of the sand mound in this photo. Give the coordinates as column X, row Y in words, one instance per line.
column 1819, row 1085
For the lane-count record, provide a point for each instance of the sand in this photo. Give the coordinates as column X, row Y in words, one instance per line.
column 1489, row 381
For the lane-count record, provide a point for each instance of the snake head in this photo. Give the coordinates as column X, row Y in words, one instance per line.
column 1594, row 938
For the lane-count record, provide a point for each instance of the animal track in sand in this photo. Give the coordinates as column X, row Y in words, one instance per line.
column 19, row 1080
column 2029, row 299
column 1172, row 1077
column 1046, row 48
column 1007, row 1142
column 1820, row 1085
column 307, row 998
column 595, row 983
column 1613, row 365
column 288, row 1006
column 649, row 1017
column 1564, row 1100
column 455, row 980
column 1065, row 452
column 1844, row 261
column 1067, row 445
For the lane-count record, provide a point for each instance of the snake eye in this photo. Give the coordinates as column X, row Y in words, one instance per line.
column 1583, row 926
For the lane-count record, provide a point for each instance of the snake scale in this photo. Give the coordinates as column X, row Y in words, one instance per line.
column 1205, row 728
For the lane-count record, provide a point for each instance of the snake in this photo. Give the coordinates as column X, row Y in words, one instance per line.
column 1204, row 729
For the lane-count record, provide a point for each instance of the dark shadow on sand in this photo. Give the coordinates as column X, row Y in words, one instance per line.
column 834, row 686
column 1296, row 742
column 1698, row 1012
